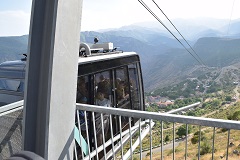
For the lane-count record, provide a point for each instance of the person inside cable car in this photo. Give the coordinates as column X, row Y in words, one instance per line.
column 102, row 101
column 82, row 95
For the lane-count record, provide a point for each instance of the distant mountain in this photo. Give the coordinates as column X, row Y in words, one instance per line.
column 192, row 28
column 218, row 52
column 165, row 64
column 128, row 43
column 164, row 60
column 208, row 33
column 12, row 48
column 147, row 36
column 177, row 64
column 232, row 28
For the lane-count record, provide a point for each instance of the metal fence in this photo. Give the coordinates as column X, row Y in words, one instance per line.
column 114, row 133
column 154, row 135
column 11, row 117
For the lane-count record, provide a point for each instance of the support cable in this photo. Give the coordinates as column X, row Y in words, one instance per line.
column 230, row 19
column 178, row 31
column 156, row 17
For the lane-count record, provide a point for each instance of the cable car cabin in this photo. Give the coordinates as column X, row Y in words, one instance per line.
column 115, row 75
column 111, row 79
column 12, row 74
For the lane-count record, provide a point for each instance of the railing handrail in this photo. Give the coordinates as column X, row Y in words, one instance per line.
column 210, row 122
column 9, row 108
column 184, row 108
column 228, row 124
column 20, row 104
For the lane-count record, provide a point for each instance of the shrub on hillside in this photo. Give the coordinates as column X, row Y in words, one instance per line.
column 182, row 130
column 235, row 116
column 195, row 138
column 205, row 148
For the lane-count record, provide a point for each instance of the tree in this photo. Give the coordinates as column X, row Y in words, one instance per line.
column 216, row 103
column 182, row 130
column 167, row 138
column 228, row 98
column 152, row 108
column 191, row 113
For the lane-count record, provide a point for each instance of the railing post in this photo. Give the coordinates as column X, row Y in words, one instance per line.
column 51, row 78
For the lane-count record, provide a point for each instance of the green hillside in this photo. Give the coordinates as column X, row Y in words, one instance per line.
column 177, row 64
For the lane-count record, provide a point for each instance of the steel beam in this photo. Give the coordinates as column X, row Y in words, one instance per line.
column 51, row 78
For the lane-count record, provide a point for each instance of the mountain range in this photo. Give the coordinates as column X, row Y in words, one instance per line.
column 164, row 60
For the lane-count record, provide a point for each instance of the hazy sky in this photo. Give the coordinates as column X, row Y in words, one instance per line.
column 102, row 14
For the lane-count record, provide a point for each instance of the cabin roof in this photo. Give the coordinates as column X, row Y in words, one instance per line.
column 102, row 57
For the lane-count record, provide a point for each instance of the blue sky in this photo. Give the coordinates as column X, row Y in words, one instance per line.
column 14, row 17
column 7, row 5
column 103, row 14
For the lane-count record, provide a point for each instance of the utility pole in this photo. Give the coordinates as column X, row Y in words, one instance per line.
column 51, row 78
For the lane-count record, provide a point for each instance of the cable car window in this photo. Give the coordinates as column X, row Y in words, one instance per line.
column 82, row 96
column 21, row 87
column 2, row 84
column 103, row 85
column 103, row 97
column 122, row 93
column 82, row 90
column 122, row 88
column 134, row 86
column 10, row 85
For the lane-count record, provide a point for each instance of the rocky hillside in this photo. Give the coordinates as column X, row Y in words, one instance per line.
column 177, row 65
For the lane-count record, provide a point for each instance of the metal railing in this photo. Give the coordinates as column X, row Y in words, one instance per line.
column 11, row 108
column 141, row 136
column 11, row 117
column 144, row 138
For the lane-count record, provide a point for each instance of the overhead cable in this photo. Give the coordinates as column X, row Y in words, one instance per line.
column 178, row 31
column 230, row 19
column 156, row 17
